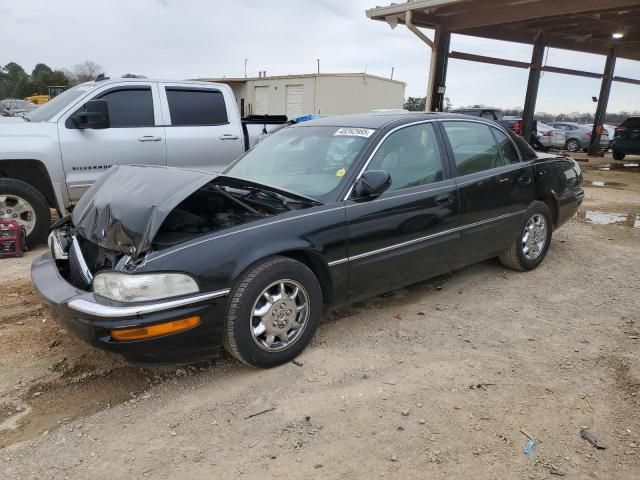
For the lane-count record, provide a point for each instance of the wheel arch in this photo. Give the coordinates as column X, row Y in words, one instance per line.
column 33, row 172
column 318, row 266
column 552, row 202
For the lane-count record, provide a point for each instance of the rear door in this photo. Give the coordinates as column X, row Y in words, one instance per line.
column 202, row 126
column 494, row 186
column 409, row 232
column 134, row 137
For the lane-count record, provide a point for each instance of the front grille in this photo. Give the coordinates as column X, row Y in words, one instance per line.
column 79, row 274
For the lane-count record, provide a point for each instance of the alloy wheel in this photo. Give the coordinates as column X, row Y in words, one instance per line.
column 279, row 315
column 534, row 237
column 573, row 145
column 18, row 209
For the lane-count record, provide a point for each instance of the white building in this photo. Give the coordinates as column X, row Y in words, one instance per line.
column 325, row 94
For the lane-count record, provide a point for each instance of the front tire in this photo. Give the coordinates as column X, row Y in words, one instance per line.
column 534, row 238
column 21, row 202
column 273, row 313
column 618, row 155
column 573, row 145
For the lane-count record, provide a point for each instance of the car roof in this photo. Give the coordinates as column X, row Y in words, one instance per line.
column 381, row 119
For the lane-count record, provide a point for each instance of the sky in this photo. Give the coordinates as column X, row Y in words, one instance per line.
column 178, row 39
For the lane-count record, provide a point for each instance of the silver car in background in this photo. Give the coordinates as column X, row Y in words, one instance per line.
column 550, row 137
column 577, row 137
column 17, row 107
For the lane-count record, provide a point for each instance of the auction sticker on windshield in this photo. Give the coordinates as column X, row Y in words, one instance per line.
column 354, row 132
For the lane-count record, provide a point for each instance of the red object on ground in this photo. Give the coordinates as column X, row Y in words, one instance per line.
column 13, row 237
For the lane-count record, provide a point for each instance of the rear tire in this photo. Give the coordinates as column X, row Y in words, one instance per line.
column 531, row 245
column 573, row 145
column 274, row 311
column 618, row 155
column 13, row 191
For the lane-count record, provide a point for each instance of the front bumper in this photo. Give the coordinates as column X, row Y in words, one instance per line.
column 92, row 318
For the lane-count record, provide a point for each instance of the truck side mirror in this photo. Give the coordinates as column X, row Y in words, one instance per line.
column 94, row 115
column 371, row 184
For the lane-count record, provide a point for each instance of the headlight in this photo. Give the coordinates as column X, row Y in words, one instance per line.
column 143, row 288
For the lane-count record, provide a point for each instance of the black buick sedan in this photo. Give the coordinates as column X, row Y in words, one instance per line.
column 166, row 265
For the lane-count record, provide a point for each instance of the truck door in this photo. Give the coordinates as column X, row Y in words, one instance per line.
column 135, row 136
column 202, row 126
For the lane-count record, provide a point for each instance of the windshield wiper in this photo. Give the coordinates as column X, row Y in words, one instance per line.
column 222, row 191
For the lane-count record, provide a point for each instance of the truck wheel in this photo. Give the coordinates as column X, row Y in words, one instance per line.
column 21, row 202
column 573, row 145
column 533, row 240
column 273, row 313
column 618, row 155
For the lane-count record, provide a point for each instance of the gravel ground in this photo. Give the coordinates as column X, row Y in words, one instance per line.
column 445, row 379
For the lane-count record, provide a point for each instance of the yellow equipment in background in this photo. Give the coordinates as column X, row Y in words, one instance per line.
column 54, row 91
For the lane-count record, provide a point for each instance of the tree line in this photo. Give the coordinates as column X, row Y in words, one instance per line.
column 15, row 82
column 416, row 104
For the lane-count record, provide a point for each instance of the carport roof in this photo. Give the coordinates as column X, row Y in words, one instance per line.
column 581, row 25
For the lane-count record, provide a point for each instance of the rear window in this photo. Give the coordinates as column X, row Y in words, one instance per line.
column 196, row 107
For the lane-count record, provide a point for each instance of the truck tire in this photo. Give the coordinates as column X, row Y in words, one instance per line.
column 21, row 202
column 273, row 313
column 618, row 155
column 532, row 242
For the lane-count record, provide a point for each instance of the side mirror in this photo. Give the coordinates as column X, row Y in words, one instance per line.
column 94, row 115
column 371, row 184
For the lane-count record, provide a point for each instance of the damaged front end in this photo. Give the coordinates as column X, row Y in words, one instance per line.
column 134, row 210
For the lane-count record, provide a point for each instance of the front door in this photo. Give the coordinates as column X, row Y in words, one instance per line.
column 494, row 185
column 134, row 137
column 409, row 232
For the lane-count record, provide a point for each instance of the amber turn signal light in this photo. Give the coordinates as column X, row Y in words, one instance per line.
column 129, row 334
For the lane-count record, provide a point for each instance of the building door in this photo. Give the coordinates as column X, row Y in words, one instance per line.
column 295, row 100
column 261, row 101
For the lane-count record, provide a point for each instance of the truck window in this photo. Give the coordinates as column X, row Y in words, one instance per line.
column 196, row 107
column 130, row 107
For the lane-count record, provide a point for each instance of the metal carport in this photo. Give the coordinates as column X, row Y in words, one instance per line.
column 609, row 27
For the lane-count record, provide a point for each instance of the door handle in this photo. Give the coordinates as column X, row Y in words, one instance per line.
column 524, row 179
column 149, row 138
column 229, row 136
column 444, row 199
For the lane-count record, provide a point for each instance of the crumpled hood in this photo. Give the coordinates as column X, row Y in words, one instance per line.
column 125, row 208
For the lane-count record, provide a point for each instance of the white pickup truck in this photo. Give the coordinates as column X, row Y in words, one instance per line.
column 53, row 154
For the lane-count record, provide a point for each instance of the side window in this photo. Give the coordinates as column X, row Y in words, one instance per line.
column 473, row 145
column 411, row 156
column 130, row 108
column 489, row 115
column 196, row 107
column 507, row 148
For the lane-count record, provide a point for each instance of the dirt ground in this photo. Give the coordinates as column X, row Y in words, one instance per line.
column 445, row 379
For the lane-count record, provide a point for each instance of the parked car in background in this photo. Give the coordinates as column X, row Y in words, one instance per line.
column 627, row 139
column 549, row 136
column 52, row 157
column 4, row 112
column 325, row 212
column 18, row 107
column 577, row 137
column 484, row 112
column 513, row 123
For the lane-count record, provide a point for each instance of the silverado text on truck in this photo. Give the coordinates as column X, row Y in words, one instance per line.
column 51, row 157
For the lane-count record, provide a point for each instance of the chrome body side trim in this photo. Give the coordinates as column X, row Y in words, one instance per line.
column 108, row 311
column 422, row 239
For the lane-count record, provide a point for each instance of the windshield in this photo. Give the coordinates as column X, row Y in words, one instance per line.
column 310, row 161
column 45, row 112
